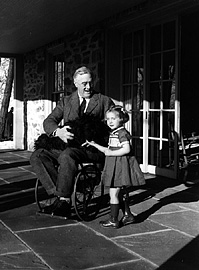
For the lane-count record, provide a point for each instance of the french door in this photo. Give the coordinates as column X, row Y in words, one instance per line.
column 149, row 93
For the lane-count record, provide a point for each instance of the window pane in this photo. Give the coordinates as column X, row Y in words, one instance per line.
column 168, row 65
column 168, row 95
column 168, row 125
column 138, row 149
column 59, row 76
column 138, row 43
column 154, row 97
column 137, row 124
column 155, row 39
column 169, row 35
column 127, row 71
column 138, row 70
column 155, row 67
column 154, row 124
column 127, row 97
column 138, row 97
column 154, row 153
column 163, row 157
column 127, row 45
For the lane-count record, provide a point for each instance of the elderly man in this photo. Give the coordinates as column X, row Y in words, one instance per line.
column 61, row 182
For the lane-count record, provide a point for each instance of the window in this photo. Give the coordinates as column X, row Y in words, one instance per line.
column 58, row 92
column 133, row 82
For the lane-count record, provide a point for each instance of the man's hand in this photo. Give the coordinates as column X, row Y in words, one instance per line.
column 64, row 134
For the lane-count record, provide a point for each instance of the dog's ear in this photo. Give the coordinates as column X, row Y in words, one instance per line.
column 42, row 142
column 49, row 143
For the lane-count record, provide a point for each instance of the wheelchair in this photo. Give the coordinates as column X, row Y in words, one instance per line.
column 87, row 195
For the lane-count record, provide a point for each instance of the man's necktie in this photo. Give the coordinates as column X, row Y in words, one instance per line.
column 82, row 107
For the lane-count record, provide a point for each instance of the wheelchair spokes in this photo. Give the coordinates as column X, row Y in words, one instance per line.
column 88, row 193
column 41, row 197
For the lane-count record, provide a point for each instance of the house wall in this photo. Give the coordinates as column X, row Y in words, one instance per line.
column 34, row 99
column 87, row 47
column 82, row 48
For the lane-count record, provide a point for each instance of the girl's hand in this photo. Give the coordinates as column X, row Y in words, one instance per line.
column 87, row 143
column 92, row 143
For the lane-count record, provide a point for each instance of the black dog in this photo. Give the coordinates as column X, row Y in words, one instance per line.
column 85, row 128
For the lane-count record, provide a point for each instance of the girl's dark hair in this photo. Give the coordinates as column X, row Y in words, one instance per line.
column 122, row 113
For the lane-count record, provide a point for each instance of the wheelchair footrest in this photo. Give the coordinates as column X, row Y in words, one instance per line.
column 40, row 213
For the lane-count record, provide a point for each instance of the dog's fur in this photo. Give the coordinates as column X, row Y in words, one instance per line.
column 85, row 128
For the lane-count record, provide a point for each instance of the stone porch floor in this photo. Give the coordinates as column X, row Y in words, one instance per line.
column 165, row 235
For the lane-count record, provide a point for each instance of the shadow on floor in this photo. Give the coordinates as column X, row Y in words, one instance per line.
column 153, row 186
column 12, row 199
column 185, row 259
column 185, row 196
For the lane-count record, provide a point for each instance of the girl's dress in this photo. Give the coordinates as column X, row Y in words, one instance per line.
column 123, row 170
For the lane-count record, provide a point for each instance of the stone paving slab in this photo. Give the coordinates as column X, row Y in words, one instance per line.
column 16, row 201
column 190, row 206
column 15, row 175
column 21, row 168
column 22, row 261
column 180, row 187
column 14, row 159
column 143, row 213
column 185, row 259
column 186, row 221
column 75, row 247
column 9, row 243
column 26, row 218
column 167, row 220
column 129, row 265
column 159, row 247
column 23, row 220
column 173, row 196
column 131, row 229
column 167, row 192
column 9, row 189
column 12, row 154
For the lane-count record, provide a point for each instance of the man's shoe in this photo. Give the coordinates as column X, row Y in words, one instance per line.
column 110, row 223
column 128, row 219
column 59, row 208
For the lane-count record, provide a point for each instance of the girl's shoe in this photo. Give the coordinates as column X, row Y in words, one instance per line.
column 128, row 219
column 110, row 223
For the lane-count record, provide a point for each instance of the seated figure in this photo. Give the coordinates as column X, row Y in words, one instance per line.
column 44, row 161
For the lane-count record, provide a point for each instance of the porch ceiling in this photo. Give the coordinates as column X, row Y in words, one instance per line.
column 29, row 24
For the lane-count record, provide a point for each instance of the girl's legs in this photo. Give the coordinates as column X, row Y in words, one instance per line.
column 113, row 222
column 128, row 217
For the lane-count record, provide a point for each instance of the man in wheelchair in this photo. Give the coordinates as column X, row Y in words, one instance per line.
column 46, row 160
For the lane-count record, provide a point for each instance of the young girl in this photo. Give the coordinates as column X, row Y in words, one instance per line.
column 121, row 168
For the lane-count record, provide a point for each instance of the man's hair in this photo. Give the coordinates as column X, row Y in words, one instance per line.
column 81, row 71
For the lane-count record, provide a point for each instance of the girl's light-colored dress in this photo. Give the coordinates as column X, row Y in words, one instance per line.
column 122, row 170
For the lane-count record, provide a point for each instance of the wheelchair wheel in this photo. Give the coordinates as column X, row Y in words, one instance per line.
column 41, row 197
column 88, row 192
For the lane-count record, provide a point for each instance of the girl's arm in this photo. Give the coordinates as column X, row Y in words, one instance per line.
column 120, row 152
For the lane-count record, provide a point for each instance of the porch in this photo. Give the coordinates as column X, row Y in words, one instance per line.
column 165, row 235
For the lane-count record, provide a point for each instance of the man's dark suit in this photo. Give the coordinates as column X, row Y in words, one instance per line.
column 43, row 161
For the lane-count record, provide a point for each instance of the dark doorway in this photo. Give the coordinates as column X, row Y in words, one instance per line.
column 189, row 77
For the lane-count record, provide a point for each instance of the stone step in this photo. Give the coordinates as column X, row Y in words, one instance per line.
column 17, row 187
column 14, row 164
column 17, row 199
column 17, row 194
